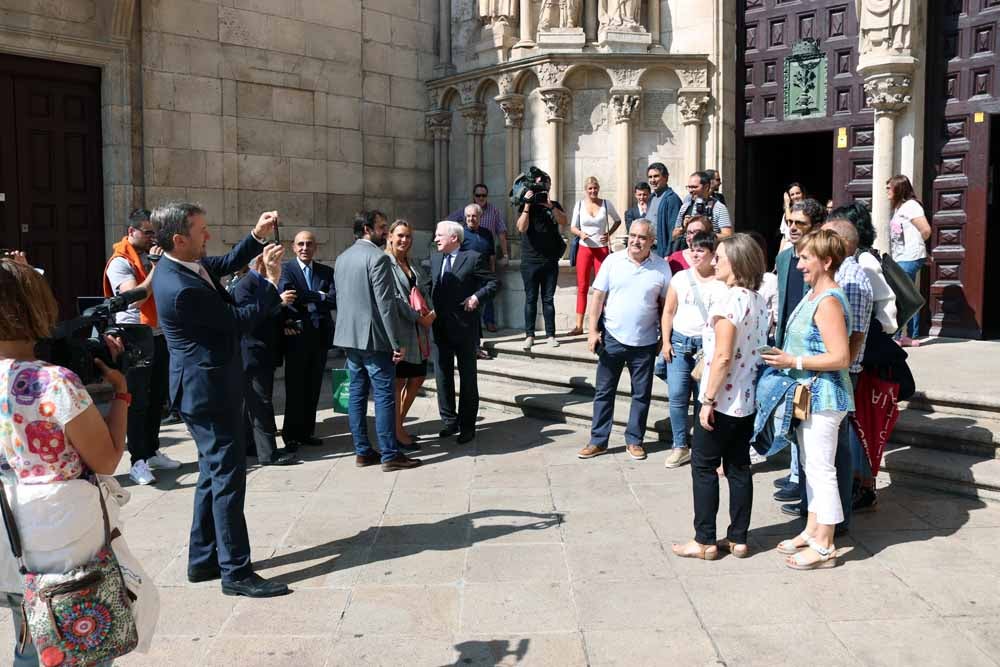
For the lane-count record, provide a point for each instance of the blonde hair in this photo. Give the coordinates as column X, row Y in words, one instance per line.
column 591, row 180
column 28, row 309
column 824, row 244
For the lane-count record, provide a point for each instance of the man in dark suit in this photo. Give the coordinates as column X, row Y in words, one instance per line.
column 202, row 325
column 261, row 350
column 461, row 281
column 305, row 354
column 641, row 208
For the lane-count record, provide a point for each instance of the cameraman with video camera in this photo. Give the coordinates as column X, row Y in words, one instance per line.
column 131, row 266
column 539, row 222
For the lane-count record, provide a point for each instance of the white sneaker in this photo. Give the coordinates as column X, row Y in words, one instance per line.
column 161, row 460
column 141, row 474
column 756, row 458
column 677, row 457
column 553, row 342
column 528, row 342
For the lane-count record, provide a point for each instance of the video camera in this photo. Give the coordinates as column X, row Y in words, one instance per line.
column 536, row 181
column 76, row 343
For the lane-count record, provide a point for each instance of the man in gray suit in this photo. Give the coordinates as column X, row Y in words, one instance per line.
column 368, row 319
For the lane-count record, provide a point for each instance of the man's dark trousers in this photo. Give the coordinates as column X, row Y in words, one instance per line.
column 260, row 425
column 610, row 364
column 444, row 375
column 148, row 386
column 305, row 363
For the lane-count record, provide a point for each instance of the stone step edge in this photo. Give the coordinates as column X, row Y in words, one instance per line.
column 964, row 474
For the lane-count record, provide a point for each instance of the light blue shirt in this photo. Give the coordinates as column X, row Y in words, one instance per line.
column 634, row 294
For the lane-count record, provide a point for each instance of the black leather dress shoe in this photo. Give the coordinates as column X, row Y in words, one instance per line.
column 400, row 463
column 311, row 441
column 280, row 460
column 367, row 460
column 448, row 431
column 255, row 586
column 412, row 447
column 197, row 575
column 794, row 509
column 291, row 446
column 788, row 493
column 466, row 437
column 782, row 481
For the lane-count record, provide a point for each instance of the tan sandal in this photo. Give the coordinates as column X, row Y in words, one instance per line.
column 695, row 550
column 827, row 558
column 789, row 548
column 737, row 550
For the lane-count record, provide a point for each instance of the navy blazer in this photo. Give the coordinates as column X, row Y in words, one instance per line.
column 470, row 274
column 666, row 219
column 323, row 295
column 203, row 325
column 261, row 347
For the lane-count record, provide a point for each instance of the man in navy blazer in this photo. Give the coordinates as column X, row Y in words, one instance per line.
column 305, row 354
column 202, row 325
column 461, row 281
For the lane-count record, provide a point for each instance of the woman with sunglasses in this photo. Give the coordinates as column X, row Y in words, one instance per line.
column 681, row 260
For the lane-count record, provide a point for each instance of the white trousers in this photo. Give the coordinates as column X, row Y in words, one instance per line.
column 817, row 450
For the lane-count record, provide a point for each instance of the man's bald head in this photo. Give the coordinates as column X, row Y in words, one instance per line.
column 304, row 246
column 846, row 231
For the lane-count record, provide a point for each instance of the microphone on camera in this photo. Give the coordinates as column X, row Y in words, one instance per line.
column 125, row 299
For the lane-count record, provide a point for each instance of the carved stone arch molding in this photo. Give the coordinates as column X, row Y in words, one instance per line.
column 551, row 75
column 625, row 76
column 693, row 75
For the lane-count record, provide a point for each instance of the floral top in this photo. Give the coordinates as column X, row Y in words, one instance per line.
column 747, row 310
column 831, row 390
column 37, row 400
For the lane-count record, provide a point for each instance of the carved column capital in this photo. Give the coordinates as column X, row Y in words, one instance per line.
column 550, row 74
column 512, row 106
column 693, row 76
column 475, row 117
column 624, row 104
column 556, row 103
column 887, row 93
column 692, row 105
column 439, row 125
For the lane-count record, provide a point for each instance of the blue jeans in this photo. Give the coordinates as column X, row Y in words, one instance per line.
column 912, row 269
column 610, row 364
column 540, row 277
column 680, row 384
column 372, row 371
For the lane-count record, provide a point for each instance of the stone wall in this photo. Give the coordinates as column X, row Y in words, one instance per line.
column 311, row 107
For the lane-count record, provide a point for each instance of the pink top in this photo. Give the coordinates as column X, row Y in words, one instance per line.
column 677, row 262
column 37, row 400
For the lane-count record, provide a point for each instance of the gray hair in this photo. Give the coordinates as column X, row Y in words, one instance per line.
column 173, row 218
column 475, row 207
column 648, row 223
column 452, row 228
column 845, row 230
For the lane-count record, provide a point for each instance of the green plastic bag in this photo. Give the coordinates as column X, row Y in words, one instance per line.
column 341, row 390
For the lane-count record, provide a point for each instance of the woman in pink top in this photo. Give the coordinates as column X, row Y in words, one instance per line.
column 681, row 259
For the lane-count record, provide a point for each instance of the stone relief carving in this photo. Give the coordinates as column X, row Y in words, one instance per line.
column 475, row 118
column 467, row 89
column 693, row 76
column 621, row 14
column 884, row 25
column 550, row 74
column 568, row 14
column 439, row 125
column 625, row 77
column 505, row 83
column 624, row 106
column 492, row 12
column 692, row 107
column 512, row 107
column 556, row 102
column 888, row 93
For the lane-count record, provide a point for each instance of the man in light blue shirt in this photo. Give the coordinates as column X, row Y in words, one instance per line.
column 629, row 291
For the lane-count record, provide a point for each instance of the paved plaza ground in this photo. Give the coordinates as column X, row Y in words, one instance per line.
column 512, row 551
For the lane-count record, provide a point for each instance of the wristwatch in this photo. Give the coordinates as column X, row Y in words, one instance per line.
column 124, row 397
column 710, row 402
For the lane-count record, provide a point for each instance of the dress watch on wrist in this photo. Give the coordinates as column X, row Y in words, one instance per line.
column 711, row 402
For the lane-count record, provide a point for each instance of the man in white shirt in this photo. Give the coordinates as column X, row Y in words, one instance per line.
column 630, row 290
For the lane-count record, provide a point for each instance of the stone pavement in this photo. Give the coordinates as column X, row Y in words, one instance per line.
column 511, row 551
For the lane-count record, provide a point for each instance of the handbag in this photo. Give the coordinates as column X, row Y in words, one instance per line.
column 77, row 618
column 699, row 357
column 909, row 300
column 802, row 401
column 419, row 304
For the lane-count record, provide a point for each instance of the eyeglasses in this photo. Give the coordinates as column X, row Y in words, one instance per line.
column 802, row 224
column 693, row 187
column 148, row 232
column 479, row 195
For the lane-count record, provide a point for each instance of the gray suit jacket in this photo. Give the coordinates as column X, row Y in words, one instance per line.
column 369, row 307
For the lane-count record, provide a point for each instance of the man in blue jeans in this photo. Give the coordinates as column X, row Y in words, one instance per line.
column 368, row 321
column 630, row 290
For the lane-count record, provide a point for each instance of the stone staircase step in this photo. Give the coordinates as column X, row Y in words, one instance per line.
column 947, row 432
column 951, row 472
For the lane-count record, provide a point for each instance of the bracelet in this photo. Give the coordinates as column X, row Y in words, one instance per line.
column 798, row 363
column 124, row 397
column 711, row 402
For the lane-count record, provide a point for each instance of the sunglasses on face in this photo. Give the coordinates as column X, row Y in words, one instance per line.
column 801, row 224
column 479, row 195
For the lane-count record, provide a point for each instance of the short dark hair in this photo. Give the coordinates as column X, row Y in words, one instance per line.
column 712, row 173
column 703, row 240
column 660, row 167
column 173, row 218
column 373, row 215
column 480, row 185
column 858, row 215
column 643, row 185
column 137, row 217
column 812, row 209
column 703, row 177
column 360, row 224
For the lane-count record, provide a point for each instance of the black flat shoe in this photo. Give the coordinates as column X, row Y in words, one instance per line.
column 466, row 437
column 198, row 575
column 280, row 460
column 788, row 493
column 782, row 481
column 412, row 447
column 448, row 431
column 255, row 586
column 311, row 441
column 794, row 509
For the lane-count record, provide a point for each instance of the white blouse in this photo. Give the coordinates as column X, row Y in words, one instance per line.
column 594, row 226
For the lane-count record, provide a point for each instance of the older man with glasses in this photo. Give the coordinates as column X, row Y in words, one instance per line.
column 490, row 219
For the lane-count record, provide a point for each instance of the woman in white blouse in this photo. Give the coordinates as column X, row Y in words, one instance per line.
column 591, row 225
column 908, row 233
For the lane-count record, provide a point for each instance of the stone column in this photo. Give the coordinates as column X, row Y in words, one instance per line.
column 692, row 104
column 556, row 101
column 512, row 106
column 444, row 66
column 887, row 92
column 590, row 20
column 475, row 123
column 654, row 23
column 439, row 126
column 624, row 102
column 527, row 24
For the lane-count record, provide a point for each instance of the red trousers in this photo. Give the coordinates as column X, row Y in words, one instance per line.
column 587, row 259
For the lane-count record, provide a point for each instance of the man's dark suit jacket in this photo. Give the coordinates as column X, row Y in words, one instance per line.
column 322, row 284
column 202, row 325
column 470, row 274
column 262, row 346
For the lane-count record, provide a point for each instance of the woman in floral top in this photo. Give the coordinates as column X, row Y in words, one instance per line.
column 735, row 331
